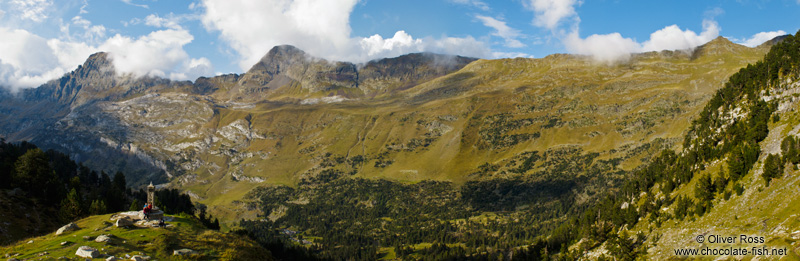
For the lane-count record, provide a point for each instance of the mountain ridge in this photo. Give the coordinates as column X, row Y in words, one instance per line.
column 426, row 117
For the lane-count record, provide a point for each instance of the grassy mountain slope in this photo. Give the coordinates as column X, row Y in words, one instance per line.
column 485, row 121
column 766, row 207
column 735, row 175
column 158, row 243
column 490, row 112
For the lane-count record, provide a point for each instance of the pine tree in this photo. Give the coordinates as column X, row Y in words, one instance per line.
column 135, row 205
column 704, row 189
column 772, row 168
column 34, row 174
column 98, row 207
column 71, row 207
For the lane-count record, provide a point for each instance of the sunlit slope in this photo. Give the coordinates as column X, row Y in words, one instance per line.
column 182, row 232
column 491, row 111
column 411, row 118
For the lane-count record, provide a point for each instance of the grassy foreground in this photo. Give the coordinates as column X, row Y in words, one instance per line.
column 158, row 243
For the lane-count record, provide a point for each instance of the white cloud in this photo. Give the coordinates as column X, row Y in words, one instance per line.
column 603, row 47
column 321, row 28
column 614, row 47
column 550, row 13
column 91, row 33
column 130, row 2
column 502, row 30
column 26, row 59
column 155, row 54
column 29, row 60
column 760, row 38
column 673, row 38
column 34, row 10
column 172, row 22
column 476, row 3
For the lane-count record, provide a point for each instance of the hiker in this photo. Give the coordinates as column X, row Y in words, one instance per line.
column 161, row 223
column 146, row 211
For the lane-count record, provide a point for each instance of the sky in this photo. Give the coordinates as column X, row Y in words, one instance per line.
column 41, row 40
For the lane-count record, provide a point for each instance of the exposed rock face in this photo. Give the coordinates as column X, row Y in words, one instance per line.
column 286, row 64
column 95, row 80
column 67, row 228
column 403, row 72
column 87, row 252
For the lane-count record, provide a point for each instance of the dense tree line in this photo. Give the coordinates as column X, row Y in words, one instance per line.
column 53, row 180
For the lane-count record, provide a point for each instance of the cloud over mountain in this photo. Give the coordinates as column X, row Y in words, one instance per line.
column 321, row 28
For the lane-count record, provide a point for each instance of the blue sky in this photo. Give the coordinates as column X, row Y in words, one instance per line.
column 181, row 40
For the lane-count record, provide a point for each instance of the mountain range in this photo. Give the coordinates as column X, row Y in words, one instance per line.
column 292, row 120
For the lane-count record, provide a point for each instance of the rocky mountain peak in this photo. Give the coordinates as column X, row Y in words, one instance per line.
column 96, row 72
column 284, row 65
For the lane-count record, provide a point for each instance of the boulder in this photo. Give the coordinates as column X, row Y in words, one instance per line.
column 112, row 258
column 182, row 252
column 124, row 222
column 65, row 243
column 140, row 258
column 87, row 252
column 67, row 228
column 102, row 239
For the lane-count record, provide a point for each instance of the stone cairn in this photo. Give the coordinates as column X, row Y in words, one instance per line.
column 155, row 213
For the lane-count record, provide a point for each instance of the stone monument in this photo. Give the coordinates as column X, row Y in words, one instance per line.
column 155, row 213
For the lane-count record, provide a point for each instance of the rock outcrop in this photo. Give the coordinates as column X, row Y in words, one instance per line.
column 103, row 239
column 123, row 222
column 183, row 252
column 87, row 252
column 67, row 228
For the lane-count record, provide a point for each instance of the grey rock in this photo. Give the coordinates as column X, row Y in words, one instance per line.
column 140, row 258
column 102, row 239
column 65, row 243
column 124, row 222
column 185, row 251
column 67, row 228
column 87, row 252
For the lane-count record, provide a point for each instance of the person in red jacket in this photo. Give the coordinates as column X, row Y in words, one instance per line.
column 146, row 210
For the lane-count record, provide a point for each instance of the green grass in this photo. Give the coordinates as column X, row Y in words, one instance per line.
column 158, row 243
column 771, row 212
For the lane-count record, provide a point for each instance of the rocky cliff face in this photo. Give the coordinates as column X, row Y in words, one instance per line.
column 288, row 67
column 285, row 65
column 400, row 73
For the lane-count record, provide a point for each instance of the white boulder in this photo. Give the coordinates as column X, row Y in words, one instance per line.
column 87, row 252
